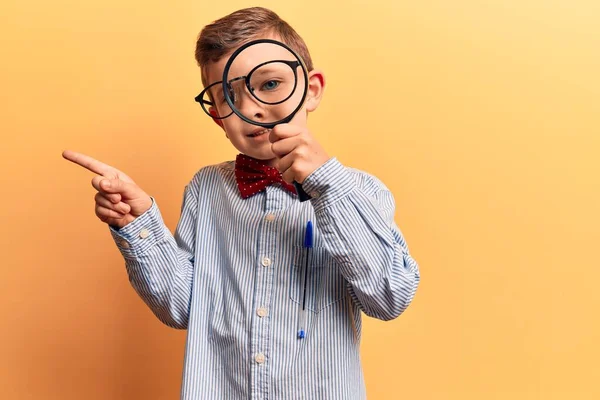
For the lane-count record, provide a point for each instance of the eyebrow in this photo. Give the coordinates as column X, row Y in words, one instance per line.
column 264, row 70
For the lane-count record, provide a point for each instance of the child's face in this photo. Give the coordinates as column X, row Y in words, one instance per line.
column 250, row 139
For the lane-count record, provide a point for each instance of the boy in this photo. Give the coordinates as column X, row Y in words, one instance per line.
column 232, row 273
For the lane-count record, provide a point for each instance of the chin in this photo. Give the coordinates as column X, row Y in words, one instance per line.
column 260, row 154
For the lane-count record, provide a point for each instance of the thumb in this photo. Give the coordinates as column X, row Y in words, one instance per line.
column 125, row 189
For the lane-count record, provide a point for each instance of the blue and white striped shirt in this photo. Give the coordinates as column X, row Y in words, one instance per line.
column 231, row 276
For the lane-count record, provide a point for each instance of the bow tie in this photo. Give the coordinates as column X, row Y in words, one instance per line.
column 253, row 176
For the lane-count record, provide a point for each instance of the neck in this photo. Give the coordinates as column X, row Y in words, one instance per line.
column 272, row 162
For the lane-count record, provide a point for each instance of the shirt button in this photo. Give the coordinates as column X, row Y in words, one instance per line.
column 125, row 244
column 144, row 233
column 262, row 312
column 260, row 358
column 270, row 217
column 314, row 194
column 266, row 261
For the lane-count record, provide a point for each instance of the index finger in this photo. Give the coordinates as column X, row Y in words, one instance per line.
column 283, row 131
column 88, row 163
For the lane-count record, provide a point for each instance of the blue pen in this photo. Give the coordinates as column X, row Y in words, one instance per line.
column 308, row 244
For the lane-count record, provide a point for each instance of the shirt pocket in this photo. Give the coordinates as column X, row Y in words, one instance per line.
column 325, row 285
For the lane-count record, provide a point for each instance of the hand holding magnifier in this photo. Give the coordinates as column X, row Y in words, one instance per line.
column 273, row 81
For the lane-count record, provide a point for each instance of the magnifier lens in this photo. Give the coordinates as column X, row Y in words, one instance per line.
column 265, row 83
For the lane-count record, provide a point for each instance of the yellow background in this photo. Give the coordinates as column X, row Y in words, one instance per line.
column 481, row 116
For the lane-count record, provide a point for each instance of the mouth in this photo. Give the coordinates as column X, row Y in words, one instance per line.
column 258, row 132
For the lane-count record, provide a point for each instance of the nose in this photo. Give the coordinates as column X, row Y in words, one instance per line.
column 248, row 105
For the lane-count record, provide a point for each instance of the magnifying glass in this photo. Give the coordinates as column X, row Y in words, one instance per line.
column 265, row 84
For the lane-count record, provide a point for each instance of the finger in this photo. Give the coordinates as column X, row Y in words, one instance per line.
column 119, row 207
column 125, row 189
column 289, row 176
column 283, row 131
column 89, row 163
column 113, row 197
column 97, row 184
column 287, row 168
column 105, row 213
column 284, row 147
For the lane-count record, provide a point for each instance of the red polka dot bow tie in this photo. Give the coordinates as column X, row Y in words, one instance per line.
column 253, row 176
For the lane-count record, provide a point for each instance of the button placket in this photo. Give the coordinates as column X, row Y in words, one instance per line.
column 275, row 201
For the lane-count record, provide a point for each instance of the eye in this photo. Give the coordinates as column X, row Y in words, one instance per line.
column 270, row 85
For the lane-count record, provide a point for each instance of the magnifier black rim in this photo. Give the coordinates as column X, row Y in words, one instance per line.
column 268, row 125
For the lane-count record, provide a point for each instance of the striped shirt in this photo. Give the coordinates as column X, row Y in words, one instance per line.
column 232, row 276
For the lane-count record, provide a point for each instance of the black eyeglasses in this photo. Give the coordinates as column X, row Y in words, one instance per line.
column 271, row 83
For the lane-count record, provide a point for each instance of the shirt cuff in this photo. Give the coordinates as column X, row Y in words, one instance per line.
column 135, row 238
column 328, row 183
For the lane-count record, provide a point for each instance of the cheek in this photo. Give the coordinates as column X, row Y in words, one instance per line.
column 227, row 127
column 299, row 118
column 291, row 104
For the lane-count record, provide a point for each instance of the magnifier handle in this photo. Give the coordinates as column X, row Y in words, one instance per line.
column 302, row 195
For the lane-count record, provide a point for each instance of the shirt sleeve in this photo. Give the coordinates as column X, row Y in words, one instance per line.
column 355, row 214
column 160, row 265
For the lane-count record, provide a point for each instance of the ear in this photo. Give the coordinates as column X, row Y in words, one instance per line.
column 316, row 86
